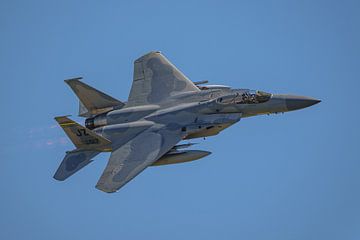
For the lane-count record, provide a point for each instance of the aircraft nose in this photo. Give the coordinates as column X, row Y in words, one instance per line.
column 299, row 102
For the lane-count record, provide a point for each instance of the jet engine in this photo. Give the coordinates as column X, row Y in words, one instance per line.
column 95, row 122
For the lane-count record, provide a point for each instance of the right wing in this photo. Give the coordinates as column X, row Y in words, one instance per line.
column 156, row 79
column 132, row 158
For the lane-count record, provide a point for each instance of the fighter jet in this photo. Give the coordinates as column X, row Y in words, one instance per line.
column 164, row 107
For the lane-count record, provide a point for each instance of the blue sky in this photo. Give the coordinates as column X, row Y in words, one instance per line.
column 288, row 176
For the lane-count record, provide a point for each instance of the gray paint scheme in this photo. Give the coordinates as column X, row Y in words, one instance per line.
column 91, row 100
column 164, row 108
column 153, row 72
column 73, row 162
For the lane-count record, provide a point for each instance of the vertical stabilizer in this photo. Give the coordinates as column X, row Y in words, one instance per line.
column 82, row 137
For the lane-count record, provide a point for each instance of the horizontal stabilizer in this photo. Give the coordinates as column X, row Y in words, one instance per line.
column 83, row 137
column 73, row 162
column 92, row 101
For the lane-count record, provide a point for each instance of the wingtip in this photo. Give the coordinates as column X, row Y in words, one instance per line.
column 149, row 54
column 60, row 117
column 103, row 189
column 58, row 178
column 72, row 79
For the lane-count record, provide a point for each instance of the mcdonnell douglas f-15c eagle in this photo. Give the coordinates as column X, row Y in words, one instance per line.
column 163, row 108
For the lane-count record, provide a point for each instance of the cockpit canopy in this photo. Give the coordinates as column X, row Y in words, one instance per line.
column 246, row 97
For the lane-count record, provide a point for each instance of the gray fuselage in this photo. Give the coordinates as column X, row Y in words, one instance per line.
column 200, row 114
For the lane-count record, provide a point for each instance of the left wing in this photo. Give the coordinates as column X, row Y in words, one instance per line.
column 133, row 157
column 156, row 79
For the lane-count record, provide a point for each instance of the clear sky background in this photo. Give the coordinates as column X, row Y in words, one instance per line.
column 287, row 176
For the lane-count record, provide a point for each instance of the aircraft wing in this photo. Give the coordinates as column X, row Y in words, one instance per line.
column 130, row 159
column 156, row 79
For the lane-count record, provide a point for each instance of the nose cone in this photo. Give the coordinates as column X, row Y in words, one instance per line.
column 299, row 102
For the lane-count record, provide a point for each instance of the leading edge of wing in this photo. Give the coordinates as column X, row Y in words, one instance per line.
column 132, row 158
